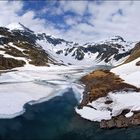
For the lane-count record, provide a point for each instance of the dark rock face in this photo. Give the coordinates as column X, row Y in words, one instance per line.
column 106, row 51
column 118, row 38
column 51, row 40
column 16, row 35
column 79, row 54
column 108, row 102
column 59, row 52
column 37, row 55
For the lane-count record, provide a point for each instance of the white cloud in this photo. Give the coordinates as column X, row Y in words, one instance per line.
column 72, row 20
column 9, row 11
column 106, row 20
column 102, row 16
column 126, row 25
column 78, row 7
column 84, row 27
column 52, row 11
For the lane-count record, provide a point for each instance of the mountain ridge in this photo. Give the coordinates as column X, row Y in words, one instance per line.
column 39, row 49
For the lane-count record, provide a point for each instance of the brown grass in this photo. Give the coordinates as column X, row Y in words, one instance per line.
column 99, row 83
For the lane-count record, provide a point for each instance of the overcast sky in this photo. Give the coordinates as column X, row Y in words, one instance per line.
column 80, row 21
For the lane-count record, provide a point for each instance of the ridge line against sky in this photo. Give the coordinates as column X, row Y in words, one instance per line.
column 80, row 21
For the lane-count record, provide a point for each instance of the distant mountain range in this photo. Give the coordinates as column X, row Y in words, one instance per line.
column 20, row 46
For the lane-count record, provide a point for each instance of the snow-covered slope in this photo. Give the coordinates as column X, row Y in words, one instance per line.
column 14, row 26
column 18, row 26
column 112, row 51
column 130, row 72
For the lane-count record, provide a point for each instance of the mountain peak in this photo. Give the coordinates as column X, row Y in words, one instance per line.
column 117, row 38
column 18, row 26
column 15, row 25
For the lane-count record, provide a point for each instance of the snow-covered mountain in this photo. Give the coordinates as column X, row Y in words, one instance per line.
column 112, row 52
column 19, row 46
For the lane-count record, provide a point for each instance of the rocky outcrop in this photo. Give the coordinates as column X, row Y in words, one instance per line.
column 138, row 63
column 121, row 121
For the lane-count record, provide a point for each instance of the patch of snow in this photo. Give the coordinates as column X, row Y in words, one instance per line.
column 121, row 101
column 128, row 115
column 93, row 115
column 2, row 36
column 11, row 44
column 1, row 46
column 2, row 52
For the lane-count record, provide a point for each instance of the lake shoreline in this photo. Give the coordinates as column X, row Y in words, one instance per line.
column 97, row 85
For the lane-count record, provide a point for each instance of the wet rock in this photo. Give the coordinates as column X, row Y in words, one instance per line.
column 138, row 63
column 107, row 124
column 121, row 121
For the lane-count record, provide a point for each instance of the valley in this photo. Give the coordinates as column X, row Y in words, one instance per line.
column 36, row 67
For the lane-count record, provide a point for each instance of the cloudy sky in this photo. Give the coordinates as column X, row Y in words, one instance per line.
column 80, row 21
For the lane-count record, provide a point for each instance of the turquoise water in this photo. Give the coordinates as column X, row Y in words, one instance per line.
column 56, row 120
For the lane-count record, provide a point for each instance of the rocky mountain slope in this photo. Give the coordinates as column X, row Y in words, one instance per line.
column 20, row 46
